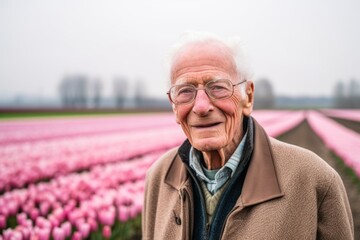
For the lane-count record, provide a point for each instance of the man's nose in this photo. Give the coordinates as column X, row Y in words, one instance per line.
column 202, row 103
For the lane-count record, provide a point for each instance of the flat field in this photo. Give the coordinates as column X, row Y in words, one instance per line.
column 65, row 176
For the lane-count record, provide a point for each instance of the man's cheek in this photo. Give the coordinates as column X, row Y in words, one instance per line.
column 180, row 114
column 175, row 111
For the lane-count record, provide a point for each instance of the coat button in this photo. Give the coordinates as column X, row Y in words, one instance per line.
column 178, row 220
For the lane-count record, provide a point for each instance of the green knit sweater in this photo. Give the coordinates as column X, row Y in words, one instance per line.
column 211, row 201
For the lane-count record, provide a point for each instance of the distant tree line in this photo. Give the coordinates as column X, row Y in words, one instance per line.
column 121, row 91
column 80, row 91
column 347, row 94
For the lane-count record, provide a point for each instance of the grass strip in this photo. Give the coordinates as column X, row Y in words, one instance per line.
column 347, row 170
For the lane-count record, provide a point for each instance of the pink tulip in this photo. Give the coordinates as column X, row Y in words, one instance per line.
column 41, row 222
column 20, row 218
column 66, row 226
column 28, row 206
column 76, row 236
column 34, row 213
column 56, row 205
column 89, row 213
column 58, row 233
column 25, row 231
column 74, row 215
column 44, row 208
column 138, row 204
column 123, row 213
column 8, row 233
column 3, row 210
column 107, row 216
column 84, row 229
column 133, row 211
column 27, row 223
column 93, row 224
column 106, row 231
column 2, row 222
column 79, row 222
column 54, row 221
column 16, row 235
column 43, row 233
column 34, row 236
column 69, row 207
column 13, row 207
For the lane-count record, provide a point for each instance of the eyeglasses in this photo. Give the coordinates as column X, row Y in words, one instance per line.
column 215, row 89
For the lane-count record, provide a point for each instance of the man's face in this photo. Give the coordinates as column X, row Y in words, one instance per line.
column 208, row 124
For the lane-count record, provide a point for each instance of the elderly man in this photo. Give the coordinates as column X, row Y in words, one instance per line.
column 229, row 180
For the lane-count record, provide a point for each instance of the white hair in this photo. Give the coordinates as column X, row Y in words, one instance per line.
column 234, row 44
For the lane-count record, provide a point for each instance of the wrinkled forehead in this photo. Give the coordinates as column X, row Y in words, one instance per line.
column 202, row 56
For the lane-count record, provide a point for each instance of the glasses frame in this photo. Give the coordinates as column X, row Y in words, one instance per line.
column 202, row 88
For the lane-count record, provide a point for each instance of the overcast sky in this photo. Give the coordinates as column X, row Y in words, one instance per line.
column 303, row 47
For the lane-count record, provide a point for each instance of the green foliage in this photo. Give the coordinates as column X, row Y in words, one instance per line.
column 347, row 170
column 11, row 222
column 130, row 230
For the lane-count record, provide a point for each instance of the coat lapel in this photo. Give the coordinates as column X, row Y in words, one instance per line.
column 261, row 182
column 177, row 173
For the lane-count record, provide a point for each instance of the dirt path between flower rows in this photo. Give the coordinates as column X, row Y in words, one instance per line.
column 349, row 124
column 303, row 136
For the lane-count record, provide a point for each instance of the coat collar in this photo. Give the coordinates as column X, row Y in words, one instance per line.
column 261, row 182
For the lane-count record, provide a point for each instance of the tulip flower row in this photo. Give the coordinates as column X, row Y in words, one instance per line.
column 15, row 131
column 342, row 141
column 268, row 116
column 76, row 205
column 40, row 129
column 350, row 114
column 283, row 121
column 25, row 163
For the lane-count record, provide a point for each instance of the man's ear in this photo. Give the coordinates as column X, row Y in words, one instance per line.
column 248, row 100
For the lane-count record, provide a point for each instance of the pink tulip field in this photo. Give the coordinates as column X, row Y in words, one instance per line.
column 344, row 142
column 349, row 114
column 83, row 178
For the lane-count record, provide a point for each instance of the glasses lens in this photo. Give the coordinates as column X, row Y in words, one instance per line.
column 182, row 93
column 219, row 89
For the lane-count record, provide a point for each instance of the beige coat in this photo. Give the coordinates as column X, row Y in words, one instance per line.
column 288, row 193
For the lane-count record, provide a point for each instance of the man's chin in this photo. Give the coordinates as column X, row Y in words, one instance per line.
column 206, row 145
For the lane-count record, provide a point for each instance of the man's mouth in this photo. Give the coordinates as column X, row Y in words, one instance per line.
column 208, row 125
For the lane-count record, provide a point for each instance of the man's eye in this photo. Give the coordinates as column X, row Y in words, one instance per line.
column 185, row 91
column 217, row 87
